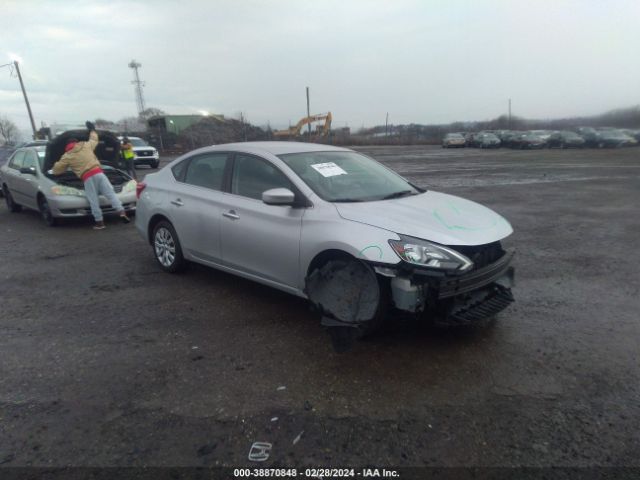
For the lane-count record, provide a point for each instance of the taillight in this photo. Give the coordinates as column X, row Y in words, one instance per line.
column 139, row 188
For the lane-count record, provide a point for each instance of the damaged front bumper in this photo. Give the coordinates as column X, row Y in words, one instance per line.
column 453, row 299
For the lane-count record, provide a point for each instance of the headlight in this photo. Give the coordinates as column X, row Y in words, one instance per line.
column 130, row 186
column 64, row 190
column 427, row 254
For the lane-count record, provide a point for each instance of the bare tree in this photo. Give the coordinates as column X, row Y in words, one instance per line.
column 131, row 124
column 104, row 124
column 8, row 131
column 151, row 112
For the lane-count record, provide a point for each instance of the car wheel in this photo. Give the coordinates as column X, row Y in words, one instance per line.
column 167, row 249
column 155, row 164
column 45, row 211
column 11, row 204
column 328, row 278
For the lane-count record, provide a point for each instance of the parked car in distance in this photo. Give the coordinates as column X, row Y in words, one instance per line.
column 453, row 140
column 615, row 138
column 590, row 135
column 565, row 139
column 331, row 225
column 485, row 140
column 527, row 140
column 635, row 134
column 145, row 154
column 26, row 183
column 507, row 137
column 543, row 134
column 468, row 138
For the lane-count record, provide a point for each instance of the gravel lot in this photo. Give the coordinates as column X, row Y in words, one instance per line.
column 106, row 361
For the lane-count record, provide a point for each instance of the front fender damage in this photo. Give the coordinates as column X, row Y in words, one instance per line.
column 346, row 293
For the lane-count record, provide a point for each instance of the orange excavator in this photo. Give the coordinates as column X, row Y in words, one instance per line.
column 321, row 130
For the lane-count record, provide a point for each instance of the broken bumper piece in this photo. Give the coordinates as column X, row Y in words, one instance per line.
column 476, row 306
column 454, row 299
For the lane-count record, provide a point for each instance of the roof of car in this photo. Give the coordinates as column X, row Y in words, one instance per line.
column 276, row 148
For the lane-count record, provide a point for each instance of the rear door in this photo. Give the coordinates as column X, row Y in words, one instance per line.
column 26, row 184
column 12, row 173
column 195, row 205
column 259, row 239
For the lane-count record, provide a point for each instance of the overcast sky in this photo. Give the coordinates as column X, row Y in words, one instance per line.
column 423, row 61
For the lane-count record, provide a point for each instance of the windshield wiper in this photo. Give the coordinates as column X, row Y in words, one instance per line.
column 402, row 193
column 345, row 200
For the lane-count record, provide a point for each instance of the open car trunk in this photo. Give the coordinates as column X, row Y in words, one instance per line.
column 107, row 151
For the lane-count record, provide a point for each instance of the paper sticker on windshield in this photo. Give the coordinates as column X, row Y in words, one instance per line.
column 328, row 169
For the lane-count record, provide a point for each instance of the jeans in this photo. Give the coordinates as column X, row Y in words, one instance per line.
column 99, row 185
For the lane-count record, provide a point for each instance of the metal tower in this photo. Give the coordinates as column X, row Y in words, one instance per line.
column 139, row 84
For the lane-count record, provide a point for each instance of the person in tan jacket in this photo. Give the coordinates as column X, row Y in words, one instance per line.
column 80, row 157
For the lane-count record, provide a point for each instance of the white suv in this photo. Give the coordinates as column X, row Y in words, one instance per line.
column 145, row 153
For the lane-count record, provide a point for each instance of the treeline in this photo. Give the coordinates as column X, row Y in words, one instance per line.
column 417, row 133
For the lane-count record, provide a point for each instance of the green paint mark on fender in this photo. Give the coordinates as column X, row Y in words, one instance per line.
column 371, row 246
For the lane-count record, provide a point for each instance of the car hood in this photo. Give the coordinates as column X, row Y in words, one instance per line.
column 107, row 151
column 432, row 216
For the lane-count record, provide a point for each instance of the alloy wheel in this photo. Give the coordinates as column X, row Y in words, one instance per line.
column 165, row 247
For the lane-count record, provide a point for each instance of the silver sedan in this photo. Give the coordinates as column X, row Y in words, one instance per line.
column 25, row 184
column 330, row 225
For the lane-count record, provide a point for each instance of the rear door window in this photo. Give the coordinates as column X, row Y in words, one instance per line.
column 206, row 170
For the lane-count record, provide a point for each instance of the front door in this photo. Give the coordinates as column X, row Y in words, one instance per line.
column 259, row 239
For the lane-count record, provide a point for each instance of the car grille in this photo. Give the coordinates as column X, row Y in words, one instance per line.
column 481, row 255
column 117, row 188
column 492, row 302
column 144, row 153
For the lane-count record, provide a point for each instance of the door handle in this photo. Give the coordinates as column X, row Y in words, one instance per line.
column 231, row 214
column 177, row 202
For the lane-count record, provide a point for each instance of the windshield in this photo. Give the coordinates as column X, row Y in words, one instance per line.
column 138, row 142
column 454, row 135
column 347, row 176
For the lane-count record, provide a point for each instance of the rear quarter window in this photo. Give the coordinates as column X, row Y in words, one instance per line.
column 180, row 169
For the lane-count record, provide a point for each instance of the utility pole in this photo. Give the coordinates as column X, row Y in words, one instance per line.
column 26, row 100
column 308, row 115
column 139, row 84
column 386, row 126
column 509, row 114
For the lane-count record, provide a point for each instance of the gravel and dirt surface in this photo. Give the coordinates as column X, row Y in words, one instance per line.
column 107, row 361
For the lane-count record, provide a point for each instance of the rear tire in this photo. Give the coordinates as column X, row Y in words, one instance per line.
column 45, row 212
column 167, row 249
column 11, row 204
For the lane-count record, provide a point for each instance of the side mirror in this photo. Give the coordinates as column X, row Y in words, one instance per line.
column 29, row 170
column 278, row 196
